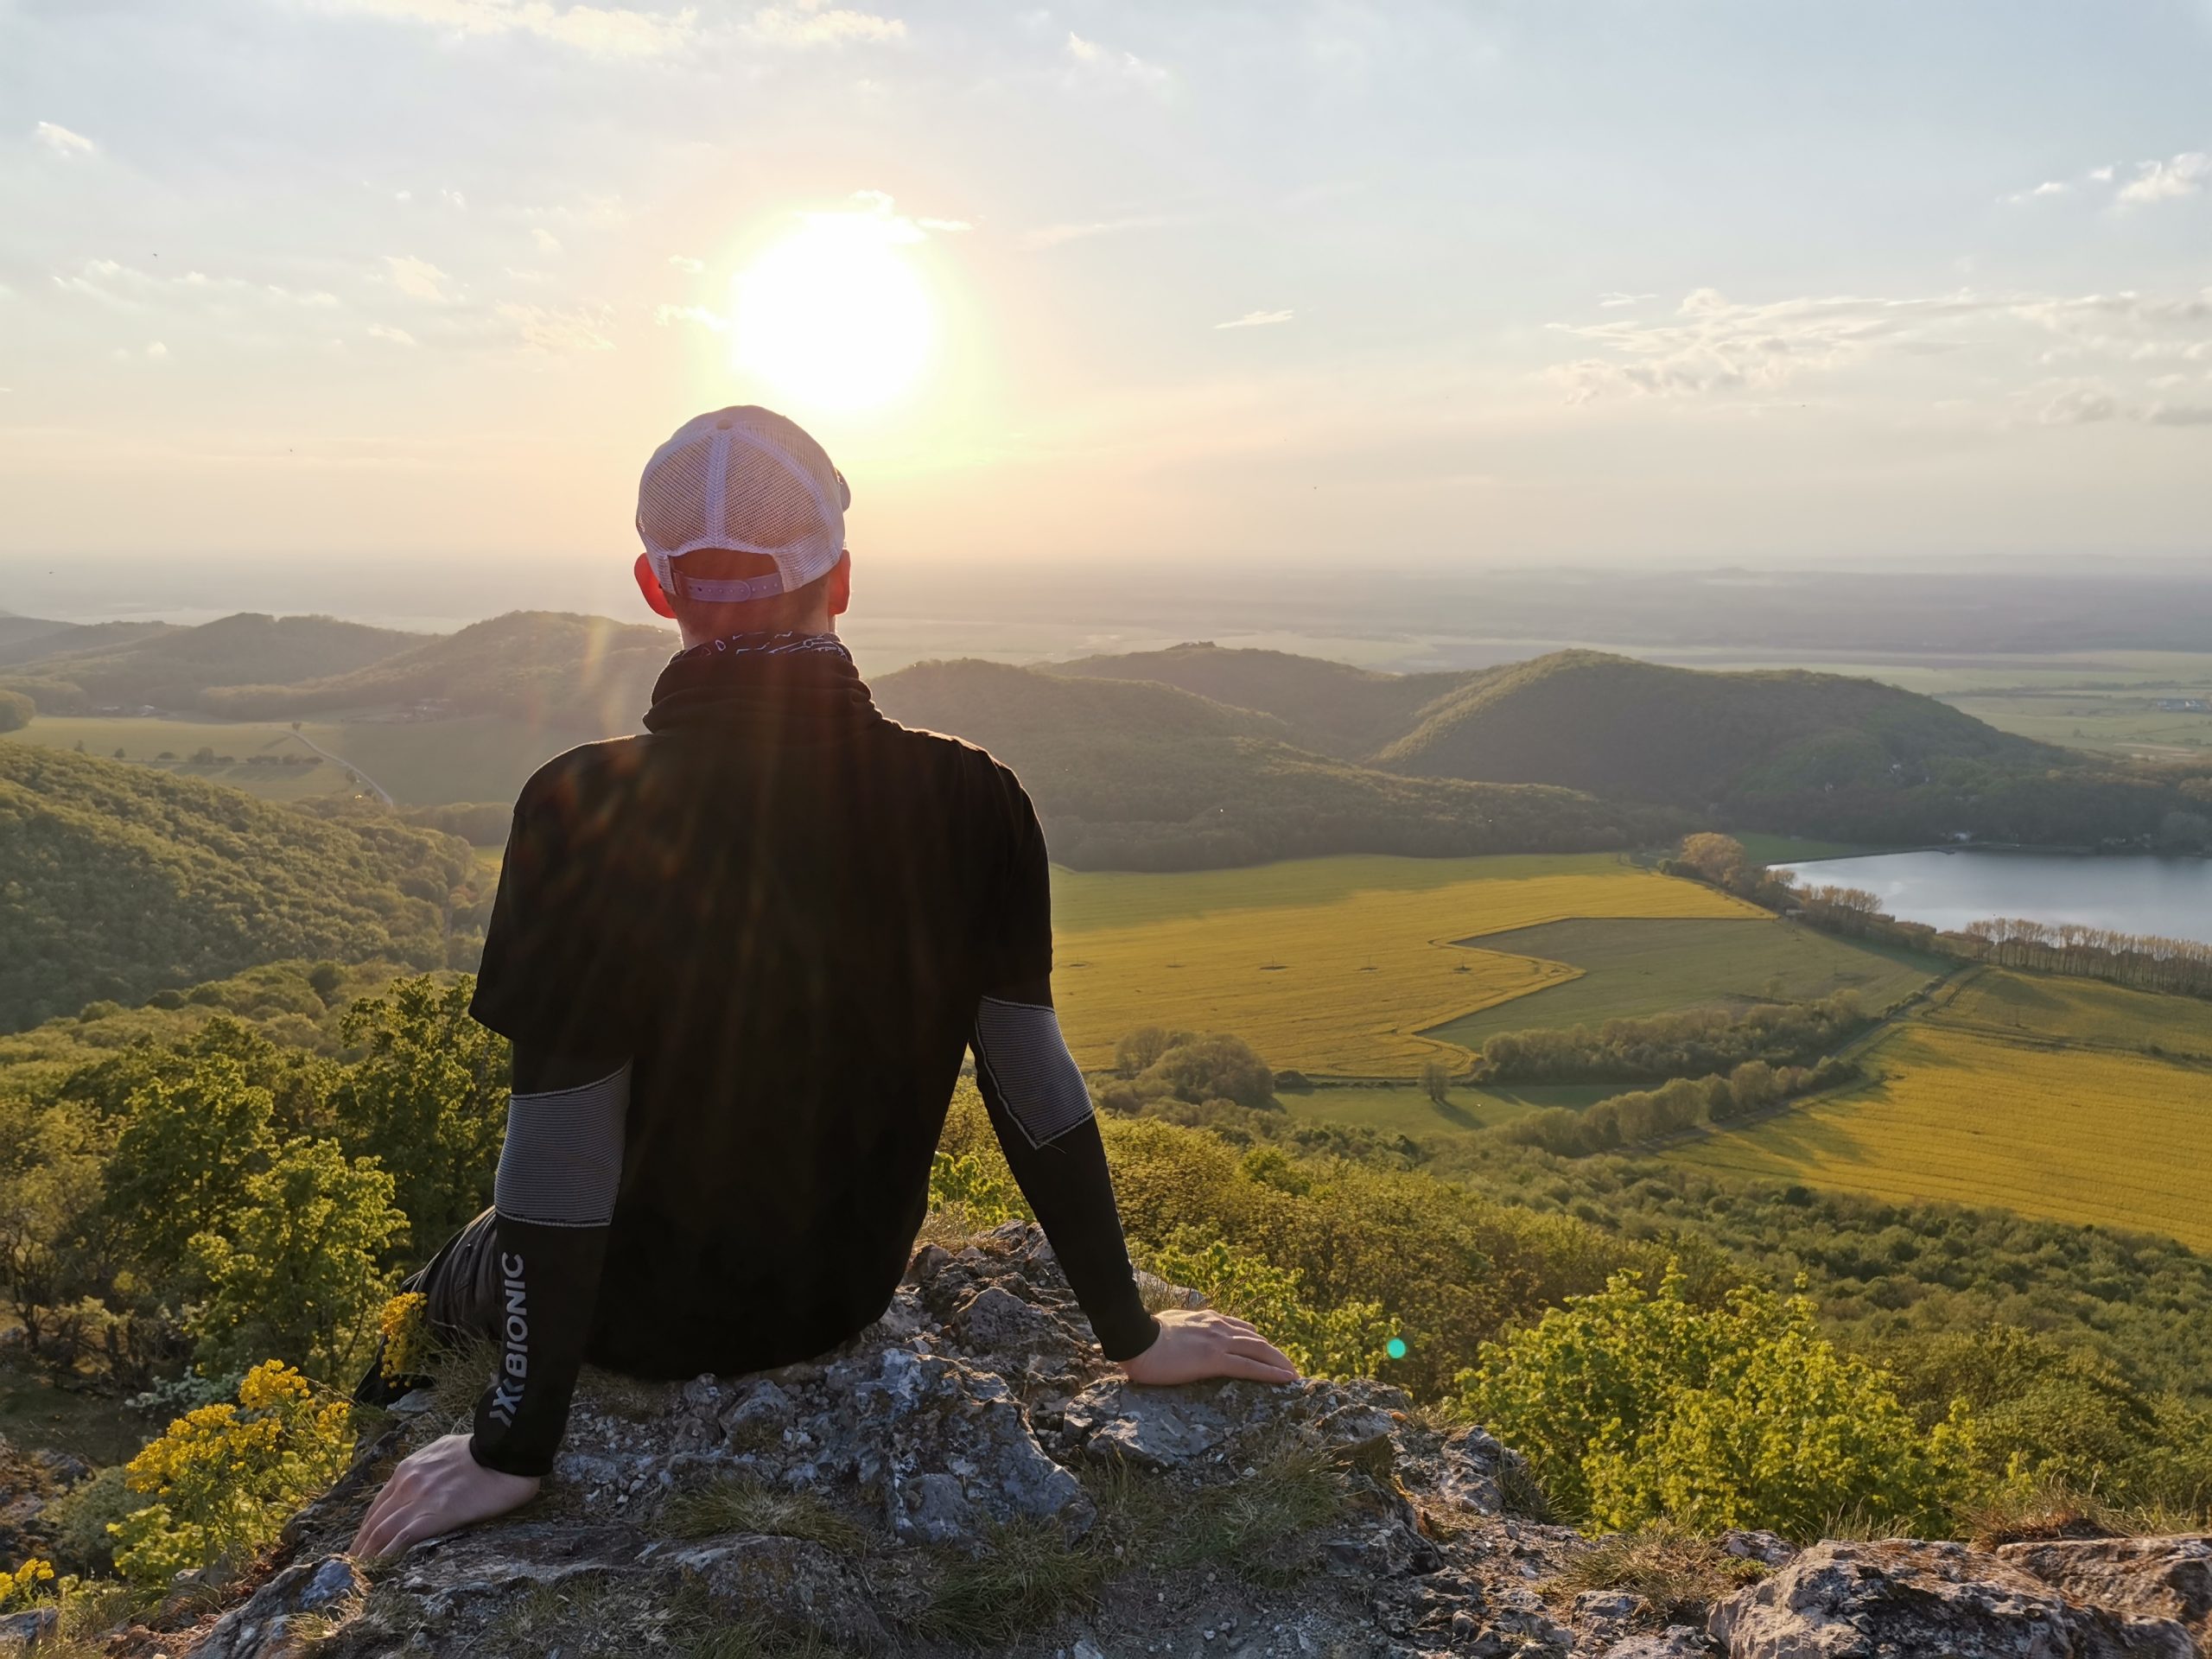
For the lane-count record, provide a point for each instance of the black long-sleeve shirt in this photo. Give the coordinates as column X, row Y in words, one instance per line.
column 740, row 959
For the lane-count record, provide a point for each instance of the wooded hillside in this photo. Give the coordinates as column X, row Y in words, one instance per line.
column 120, row 879
column 1150, row 777
column 1587, row 720
column 587, row 673
column 1330, row 708
column 173, row 668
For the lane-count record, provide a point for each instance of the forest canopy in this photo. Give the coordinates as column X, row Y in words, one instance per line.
column 120, row 879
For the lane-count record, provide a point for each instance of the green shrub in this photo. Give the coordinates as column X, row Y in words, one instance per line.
column 298, row 1272
column 1346, row 1339
column 1635, row 1406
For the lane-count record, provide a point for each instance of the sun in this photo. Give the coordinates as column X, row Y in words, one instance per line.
column 836, row 315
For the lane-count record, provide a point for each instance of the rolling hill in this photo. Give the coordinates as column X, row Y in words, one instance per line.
column 585, row 673
column 22, row 638
column 1585, row 720
column 175, row 668
column 1139, row 775
column 1330, row 708
column 122, row 880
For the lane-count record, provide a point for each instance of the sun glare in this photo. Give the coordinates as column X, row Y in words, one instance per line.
column 836, row 315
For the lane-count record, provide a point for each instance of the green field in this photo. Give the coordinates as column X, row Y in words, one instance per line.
column 2076, row 1134
column 1331, row 965
column 2109, row 722
column 1791, row 849
column 422, row 763
column 1633, row 969
column 1402, row 1108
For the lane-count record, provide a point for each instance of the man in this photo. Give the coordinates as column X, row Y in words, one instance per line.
column 740, row 958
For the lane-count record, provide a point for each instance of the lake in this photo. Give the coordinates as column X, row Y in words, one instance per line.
column 2134, row 894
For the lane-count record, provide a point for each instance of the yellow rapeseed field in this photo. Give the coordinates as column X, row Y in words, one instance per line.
column 1997, row 1002
column 1330, row 965
column 2084, row 1134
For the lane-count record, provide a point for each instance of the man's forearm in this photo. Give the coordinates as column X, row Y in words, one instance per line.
column 1040, row 1111
column 559, row 1172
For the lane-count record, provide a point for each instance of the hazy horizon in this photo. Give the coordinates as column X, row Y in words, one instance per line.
column 1417, row 287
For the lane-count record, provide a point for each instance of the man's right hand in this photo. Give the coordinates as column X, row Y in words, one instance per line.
column 1195, row 1345
column 436, row 1490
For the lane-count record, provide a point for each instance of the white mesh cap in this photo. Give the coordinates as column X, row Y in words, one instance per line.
column 747, row 480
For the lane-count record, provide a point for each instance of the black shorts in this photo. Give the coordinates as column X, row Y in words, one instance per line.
column 461, row 1284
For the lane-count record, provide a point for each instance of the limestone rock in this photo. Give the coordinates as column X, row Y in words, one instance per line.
column 2151, row 1578
column 24, row 1632
column 794, row 1584
column 1676, row 1642
column 1765, row 1547
column 1930, row 1601
column 288, row 1613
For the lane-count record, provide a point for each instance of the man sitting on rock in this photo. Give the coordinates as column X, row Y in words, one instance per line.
column 741, row 958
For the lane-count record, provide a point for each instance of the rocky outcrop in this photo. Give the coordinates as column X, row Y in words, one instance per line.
column 2151, row 1578
column 1940, row 1600
column 968, row 1475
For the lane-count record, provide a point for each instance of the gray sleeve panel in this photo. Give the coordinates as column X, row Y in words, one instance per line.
column 562, row 1160
column 1020, row 1046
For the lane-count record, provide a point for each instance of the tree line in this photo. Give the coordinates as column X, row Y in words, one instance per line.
column 1697, row 1042
column 1679, row 1103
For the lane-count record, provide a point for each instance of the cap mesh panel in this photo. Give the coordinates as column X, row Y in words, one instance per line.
column 780, row 495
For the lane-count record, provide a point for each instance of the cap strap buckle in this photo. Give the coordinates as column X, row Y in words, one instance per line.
column 736, row 590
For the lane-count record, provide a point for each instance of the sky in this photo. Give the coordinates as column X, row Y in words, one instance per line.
column 416, row 285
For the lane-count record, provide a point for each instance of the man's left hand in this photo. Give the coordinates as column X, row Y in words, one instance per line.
column 440, row 1489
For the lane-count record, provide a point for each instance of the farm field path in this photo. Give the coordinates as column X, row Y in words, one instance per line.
column 1333, row 966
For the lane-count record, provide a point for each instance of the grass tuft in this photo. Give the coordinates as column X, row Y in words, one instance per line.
column 1028, row 1575
column 1680, row 1576
column 1522, row 1496
column 741, row 1505
column 1256, row 1526
column 461, row 1372
column 2048, row 1509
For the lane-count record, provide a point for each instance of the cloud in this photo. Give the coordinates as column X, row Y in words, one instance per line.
column 418, row 279
column 686, row 264
column 1107, row 62
column 892, row 225
column 713, row 322
column 2179, row 415
column 2049, row 187
column 452, row 199
column 546, row 241
column 1715, row 346
column 558, row 332
column 157, row 350
column 63, row 142
column 2081, row 406
column 1615, row 298
column 2183, row 175
column 1256, row 320
column 816, row 23
column 2100, row 175
column 130, row 289
column 1053, row 236
column 611, row 32
column 385, row 331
